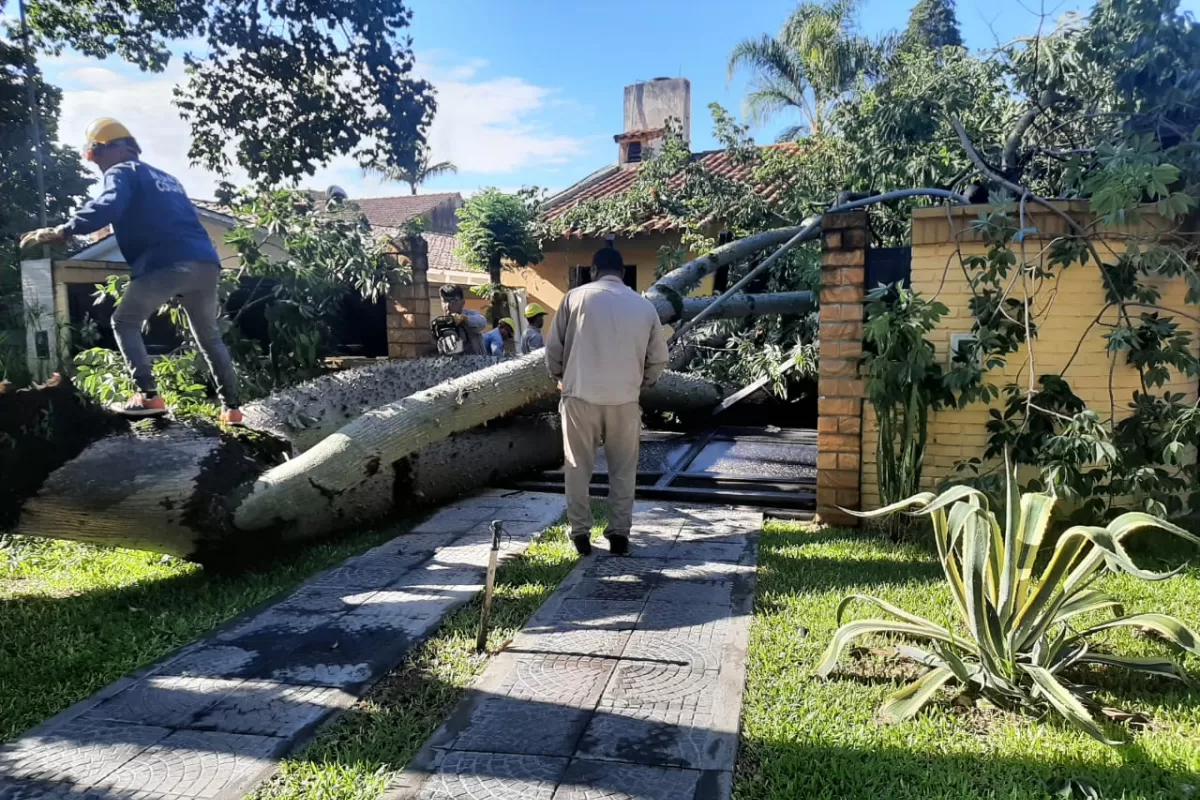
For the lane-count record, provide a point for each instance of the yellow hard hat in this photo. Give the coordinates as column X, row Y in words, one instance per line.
column 512, row 325
column 105, row 131
column 532, row 310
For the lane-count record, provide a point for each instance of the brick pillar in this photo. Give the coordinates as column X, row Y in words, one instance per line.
column 839, row 387
column 408, row 304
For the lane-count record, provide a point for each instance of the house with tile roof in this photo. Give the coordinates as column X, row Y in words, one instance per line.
column 648, row 107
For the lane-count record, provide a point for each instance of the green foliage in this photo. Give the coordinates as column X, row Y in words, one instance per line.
column 102, row 375
column 291, row 85
column 933, row 24
column 813, row 60
column 301, row 261
column 903, row 384
column 313, row 256
column 1021, row 601
column 494, row 227
column 416, row 174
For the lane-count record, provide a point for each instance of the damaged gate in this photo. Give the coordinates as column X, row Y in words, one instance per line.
column 768, row 467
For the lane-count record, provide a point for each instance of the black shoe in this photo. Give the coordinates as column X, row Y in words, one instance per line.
column 583, row 544
column 618, row 544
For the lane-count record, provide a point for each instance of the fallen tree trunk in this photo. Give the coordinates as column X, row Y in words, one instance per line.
column 311, row 411
column 172, row 488
column 750, row 305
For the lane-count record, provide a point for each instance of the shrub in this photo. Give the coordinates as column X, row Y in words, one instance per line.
column 1018, row 638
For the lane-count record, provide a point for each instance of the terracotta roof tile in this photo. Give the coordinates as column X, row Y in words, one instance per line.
column 393, row 212
column 441, row 252
column 614, row 181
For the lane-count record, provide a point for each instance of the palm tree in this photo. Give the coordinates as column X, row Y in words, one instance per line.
column 813, row 60
column 421, row 172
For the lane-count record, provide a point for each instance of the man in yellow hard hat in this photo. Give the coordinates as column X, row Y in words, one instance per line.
column 532, row 340
column 496, row 339
column 169, row 255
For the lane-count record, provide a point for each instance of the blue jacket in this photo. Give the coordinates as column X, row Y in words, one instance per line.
column 154, row 222
column 493, row 342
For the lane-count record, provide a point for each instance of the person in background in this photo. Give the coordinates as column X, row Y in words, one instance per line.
column 494, row 340
column 470, row 323
column 606, row 343
column 532, row 340
column 169, row 254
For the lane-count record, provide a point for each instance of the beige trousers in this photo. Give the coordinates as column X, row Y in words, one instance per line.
column 585, row 428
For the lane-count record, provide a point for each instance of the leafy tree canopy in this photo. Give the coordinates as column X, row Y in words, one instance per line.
column 494, row 227
column 288, row 83
column 933, row 24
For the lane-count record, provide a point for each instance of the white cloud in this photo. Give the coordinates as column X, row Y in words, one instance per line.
column 489, row 127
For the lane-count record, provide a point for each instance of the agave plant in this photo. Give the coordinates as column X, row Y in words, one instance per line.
column 1019, row 635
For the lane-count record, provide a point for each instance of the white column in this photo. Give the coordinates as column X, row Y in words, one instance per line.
column 41, row 329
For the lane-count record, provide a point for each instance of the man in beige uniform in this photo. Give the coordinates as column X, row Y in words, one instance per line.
column 604, row 345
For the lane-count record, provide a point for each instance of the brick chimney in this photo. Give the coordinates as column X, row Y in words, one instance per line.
column 648, row 106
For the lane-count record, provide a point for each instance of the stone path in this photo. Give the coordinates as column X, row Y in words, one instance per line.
column 626, row 685
column 212, row 720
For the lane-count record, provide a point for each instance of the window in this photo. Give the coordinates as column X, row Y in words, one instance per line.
column 578, row 276
column 633, row 153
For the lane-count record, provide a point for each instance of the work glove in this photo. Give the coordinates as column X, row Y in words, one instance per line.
column 42, row 236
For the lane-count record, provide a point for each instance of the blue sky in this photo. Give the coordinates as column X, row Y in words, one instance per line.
column 530, row 91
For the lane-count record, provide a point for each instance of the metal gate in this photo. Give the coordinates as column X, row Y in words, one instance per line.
column 769, row 467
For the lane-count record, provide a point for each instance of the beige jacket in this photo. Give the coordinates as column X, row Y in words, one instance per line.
column 606, row 343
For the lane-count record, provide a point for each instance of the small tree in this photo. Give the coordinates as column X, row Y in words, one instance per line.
column 494, row 227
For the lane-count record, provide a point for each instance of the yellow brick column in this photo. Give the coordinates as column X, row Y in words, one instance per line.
column 839, row 387
column 408, row 304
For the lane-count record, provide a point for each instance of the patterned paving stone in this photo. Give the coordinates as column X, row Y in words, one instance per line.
column 565, row 680
column 415, row 544
column 354, row 577
column 210, row 661
column 593, row 780
column 271, row 709
column 708, row 571
column 429, row 578
column 454, row 520
column 37, row 790
column 514, row 725
column 197, row 764
column 167, row 701
column 475, row 776
column 463, row 555
column 705, row 552
column 406, row 611
column 82, row 752
column 323, row 599
column 569, row 640
column 603, row 614
column 693, row 592
column 625, row 587
column 271, row 623
column 645, row 568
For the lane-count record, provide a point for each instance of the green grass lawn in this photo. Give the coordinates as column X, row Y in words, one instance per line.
column 354, row 758
column 805, row 738
column 74, row 618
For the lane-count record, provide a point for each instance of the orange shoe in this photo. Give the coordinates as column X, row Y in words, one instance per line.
column 231, row 416
column 141, row 406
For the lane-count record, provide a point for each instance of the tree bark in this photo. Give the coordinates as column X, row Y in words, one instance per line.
column 750, row 305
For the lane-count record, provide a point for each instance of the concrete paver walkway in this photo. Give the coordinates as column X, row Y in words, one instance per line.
column 627, row 684
column 212, row 720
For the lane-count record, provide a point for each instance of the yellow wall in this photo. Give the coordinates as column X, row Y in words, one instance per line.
column 1063, row 311
column 547, row 282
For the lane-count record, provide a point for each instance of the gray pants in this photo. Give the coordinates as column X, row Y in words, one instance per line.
column 195, row 284
column 585, row 428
